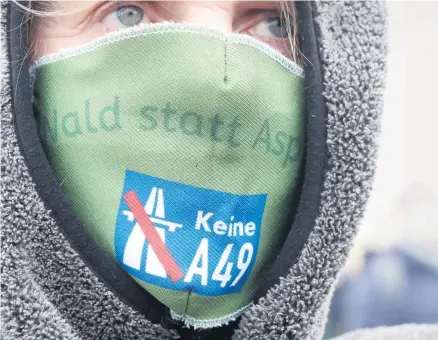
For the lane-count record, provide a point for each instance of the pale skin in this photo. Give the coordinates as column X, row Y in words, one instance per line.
column 88, row 20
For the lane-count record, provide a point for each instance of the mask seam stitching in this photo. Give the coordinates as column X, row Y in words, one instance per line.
column 225, row 62
column 187, row 302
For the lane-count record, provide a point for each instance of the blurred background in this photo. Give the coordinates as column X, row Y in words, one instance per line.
column 392, row 275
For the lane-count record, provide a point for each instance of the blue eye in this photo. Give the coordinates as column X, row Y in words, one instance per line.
column 124, row 17
column 276, row 27
column 129, row 15
column 271, row 28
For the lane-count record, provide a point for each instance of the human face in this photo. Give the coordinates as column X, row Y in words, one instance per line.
column 77, row 22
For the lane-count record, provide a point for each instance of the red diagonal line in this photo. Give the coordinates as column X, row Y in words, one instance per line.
column 164, row 256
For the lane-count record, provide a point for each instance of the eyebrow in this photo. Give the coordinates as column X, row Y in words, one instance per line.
column 258, row 4
column 241, row 5
column 244, row 3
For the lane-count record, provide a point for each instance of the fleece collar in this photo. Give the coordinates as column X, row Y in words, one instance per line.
column 65, row 283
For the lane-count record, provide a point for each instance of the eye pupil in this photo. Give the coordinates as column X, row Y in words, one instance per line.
column 277, row 28
column 130, row 15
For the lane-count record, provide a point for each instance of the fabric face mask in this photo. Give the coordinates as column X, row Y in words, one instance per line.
column 181, row 149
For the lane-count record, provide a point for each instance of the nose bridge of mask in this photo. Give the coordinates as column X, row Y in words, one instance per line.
column 201, row 132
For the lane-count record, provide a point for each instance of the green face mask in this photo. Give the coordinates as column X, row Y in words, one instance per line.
column 180, row 148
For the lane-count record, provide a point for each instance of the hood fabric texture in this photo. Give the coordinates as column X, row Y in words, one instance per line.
column 50, row 286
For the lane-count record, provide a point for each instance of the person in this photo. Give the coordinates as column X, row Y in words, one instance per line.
column 190, row 170
column 396, row 284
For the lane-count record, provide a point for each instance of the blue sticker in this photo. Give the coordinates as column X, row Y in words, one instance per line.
column 199, row 239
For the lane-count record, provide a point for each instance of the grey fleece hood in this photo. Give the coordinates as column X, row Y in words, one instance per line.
column 58, row 284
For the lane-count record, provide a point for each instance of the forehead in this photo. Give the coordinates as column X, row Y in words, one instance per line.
column 87, row 4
